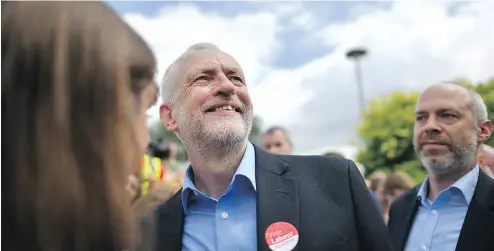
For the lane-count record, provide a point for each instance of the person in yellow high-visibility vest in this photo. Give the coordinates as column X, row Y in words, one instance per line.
column 153, row 169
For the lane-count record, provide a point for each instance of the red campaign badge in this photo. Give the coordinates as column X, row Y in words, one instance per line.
column 281, row 236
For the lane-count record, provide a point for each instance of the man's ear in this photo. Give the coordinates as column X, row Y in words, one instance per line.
column 485, row 130
column 167, row 118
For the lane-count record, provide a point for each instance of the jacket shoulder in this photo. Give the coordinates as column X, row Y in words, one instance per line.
column 318, row 164
column 171, row 204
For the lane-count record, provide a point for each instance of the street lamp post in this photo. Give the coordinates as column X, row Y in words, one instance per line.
column 355, row 54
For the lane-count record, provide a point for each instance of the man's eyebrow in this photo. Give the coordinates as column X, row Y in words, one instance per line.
column 448, row 110
column 441, row 110
column 198, row 70
column 231, row 69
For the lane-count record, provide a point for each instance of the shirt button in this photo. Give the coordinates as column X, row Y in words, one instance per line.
column 434, row 212
column 224, row 215
column 424, row 247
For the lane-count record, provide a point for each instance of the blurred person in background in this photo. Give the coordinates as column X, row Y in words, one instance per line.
column 235, row 192
column 453, row 209
column 489, row 156
column 76, row 84
column 171, row 161
column 396, row 184
column 486, row 159
column 376, row 182
column 377, row 179
column 277, row 141
column 153, row 165
column 334, row 155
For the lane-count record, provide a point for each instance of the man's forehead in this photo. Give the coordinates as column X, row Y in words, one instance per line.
column 209, row 58
column 443, row 96
column 275, row 135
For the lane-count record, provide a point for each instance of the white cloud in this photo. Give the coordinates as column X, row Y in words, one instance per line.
column 410, row 45
column 250, row 38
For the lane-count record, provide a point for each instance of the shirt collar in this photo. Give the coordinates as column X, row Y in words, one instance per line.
column 465, row 184
column 246, row 169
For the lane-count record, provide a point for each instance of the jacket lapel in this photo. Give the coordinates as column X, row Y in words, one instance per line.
column 477, row 232
column 408, row 215
column 277, row 196
column 170, row 224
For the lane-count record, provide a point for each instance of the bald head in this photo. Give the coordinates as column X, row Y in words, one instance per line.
column 169, row 80
column 450, row 124
column 473, row 99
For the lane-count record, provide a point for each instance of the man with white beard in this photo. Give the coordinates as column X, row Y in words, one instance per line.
column 453, row 209
column 238, row 197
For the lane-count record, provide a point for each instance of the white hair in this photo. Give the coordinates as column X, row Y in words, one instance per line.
column 479, row 109
column 169, row 80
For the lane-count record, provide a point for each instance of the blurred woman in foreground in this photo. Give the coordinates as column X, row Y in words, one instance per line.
column 76, row 84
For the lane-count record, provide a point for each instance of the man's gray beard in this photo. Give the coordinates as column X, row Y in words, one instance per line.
column 457, row 159
column 213, row 136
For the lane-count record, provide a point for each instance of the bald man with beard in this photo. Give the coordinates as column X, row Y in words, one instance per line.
column 453, row 209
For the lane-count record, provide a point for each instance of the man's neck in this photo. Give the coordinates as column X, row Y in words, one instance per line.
column 213, row 171
column 439, row 182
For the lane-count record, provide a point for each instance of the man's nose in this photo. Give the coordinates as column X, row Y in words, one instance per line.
column 432, row 125
column 224, row 87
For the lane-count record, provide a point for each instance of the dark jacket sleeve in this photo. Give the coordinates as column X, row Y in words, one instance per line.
column 391, row 216
column 372, row 232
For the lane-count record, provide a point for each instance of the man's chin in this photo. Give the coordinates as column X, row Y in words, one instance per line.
column 226, row 130
column 438, row 164
column 225, row 124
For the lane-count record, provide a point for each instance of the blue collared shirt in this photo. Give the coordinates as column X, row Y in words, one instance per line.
column 438, row 223
column 226, row 224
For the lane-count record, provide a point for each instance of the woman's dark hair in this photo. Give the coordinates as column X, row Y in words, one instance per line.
column 71, row 75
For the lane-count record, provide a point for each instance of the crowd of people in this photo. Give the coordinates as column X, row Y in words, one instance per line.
column 76, row 84
column 384, row 188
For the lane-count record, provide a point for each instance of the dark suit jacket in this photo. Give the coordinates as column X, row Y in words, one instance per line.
column 325, row 198
column 477, row 232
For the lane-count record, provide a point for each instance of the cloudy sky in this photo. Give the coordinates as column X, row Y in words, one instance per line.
column 293, row 53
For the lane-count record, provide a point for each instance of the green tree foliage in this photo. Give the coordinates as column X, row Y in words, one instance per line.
column 158, row 131
column 387, row 131
column 387, row 134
